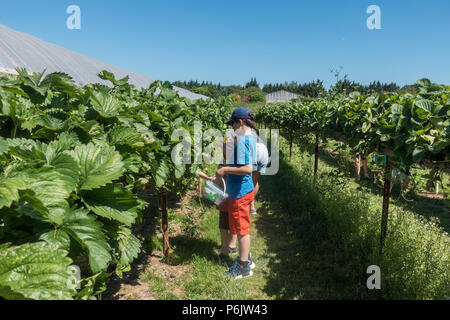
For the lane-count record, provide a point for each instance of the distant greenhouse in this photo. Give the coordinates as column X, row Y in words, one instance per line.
column 20, row 50
column 281, row 96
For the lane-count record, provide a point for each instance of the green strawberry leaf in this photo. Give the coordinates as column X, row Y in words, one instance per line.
column 99, row 165
column 88, row 232
column 105, row 104
column 129, row 246
column 37, row 271
column 113, row 202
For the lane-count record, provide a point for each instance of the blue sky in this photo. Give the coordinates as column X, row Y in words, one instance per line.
column 232, row 41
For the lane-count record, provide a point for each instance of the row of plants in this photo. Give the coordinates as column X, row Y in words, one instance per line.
column 72, row 162
column 409, row 131
column 409, row 128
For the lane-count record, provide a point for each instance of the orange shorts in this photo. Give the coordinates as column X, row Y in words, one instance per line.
column 239, row 214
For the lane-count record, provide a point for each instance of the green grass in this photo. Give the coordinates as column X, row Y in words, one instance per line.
column 156, row 283
column 152, row 243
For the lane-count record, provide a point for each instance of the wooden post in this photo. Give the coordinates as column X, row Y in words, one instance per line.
column 316, row 158
column 290, row 149
column 270, row 138
column 386, row 196
column 199, row 187
column 165, row 224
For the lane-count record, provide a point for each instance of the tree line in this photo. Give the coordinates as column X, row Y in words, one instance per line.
column 252, row 91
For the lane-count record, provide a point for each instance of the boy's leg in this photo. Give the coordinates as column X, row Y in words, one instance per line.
column 224, row 228
column 228, row 241
column 244, row 247
column 225, row 240
column 232, row 240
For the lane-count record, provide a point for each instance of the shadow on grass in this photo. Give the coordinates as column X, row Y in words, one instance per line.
column 304, row 262
column 185, row 248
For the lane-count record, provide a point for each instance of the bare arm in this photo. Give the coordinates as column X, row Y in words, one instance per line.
column 239, row 171
column 204, row 176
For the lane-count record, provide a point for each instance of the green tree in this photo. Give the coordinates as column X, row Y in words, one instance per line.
column 252, row 83
column 254, row 94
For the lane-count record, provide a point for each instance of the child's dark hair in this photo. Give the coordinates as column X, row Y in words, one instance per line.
column 249, row 123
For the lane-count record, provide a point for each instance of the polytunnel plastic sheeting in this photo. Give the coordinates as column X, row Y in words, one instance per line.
column 20, row 50
column 281, row 96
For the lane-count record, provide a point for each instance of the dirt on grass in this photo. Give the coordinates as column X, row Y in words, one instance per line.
column 133, row 284
column 430, row 195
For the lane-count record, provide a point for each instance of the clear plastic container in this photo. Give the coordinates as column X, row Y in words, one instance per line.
column 213, row 193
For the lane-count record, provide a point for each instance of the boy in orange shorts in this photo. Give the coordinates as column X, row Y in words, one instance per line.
column 240, row 188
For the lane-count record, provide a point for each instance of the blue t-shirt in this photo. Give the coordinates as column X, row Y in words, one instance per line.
column 244, row 153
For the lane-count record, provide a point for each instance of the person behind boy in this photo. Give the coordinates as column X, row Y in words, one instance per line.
column 262, row 160
column 240, row 188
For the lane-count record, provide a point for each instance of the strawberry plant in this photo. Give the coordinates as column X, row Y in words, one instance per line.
column 409, row 130
column 72, row 160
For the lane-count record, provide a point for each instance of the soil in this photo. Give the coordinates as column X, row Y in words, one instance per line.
column 430, row 195
column 132, row 286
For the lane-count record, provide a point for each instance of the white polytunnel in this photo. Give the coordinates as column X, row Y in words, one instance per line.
column 281, row 96
column 20, row 50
